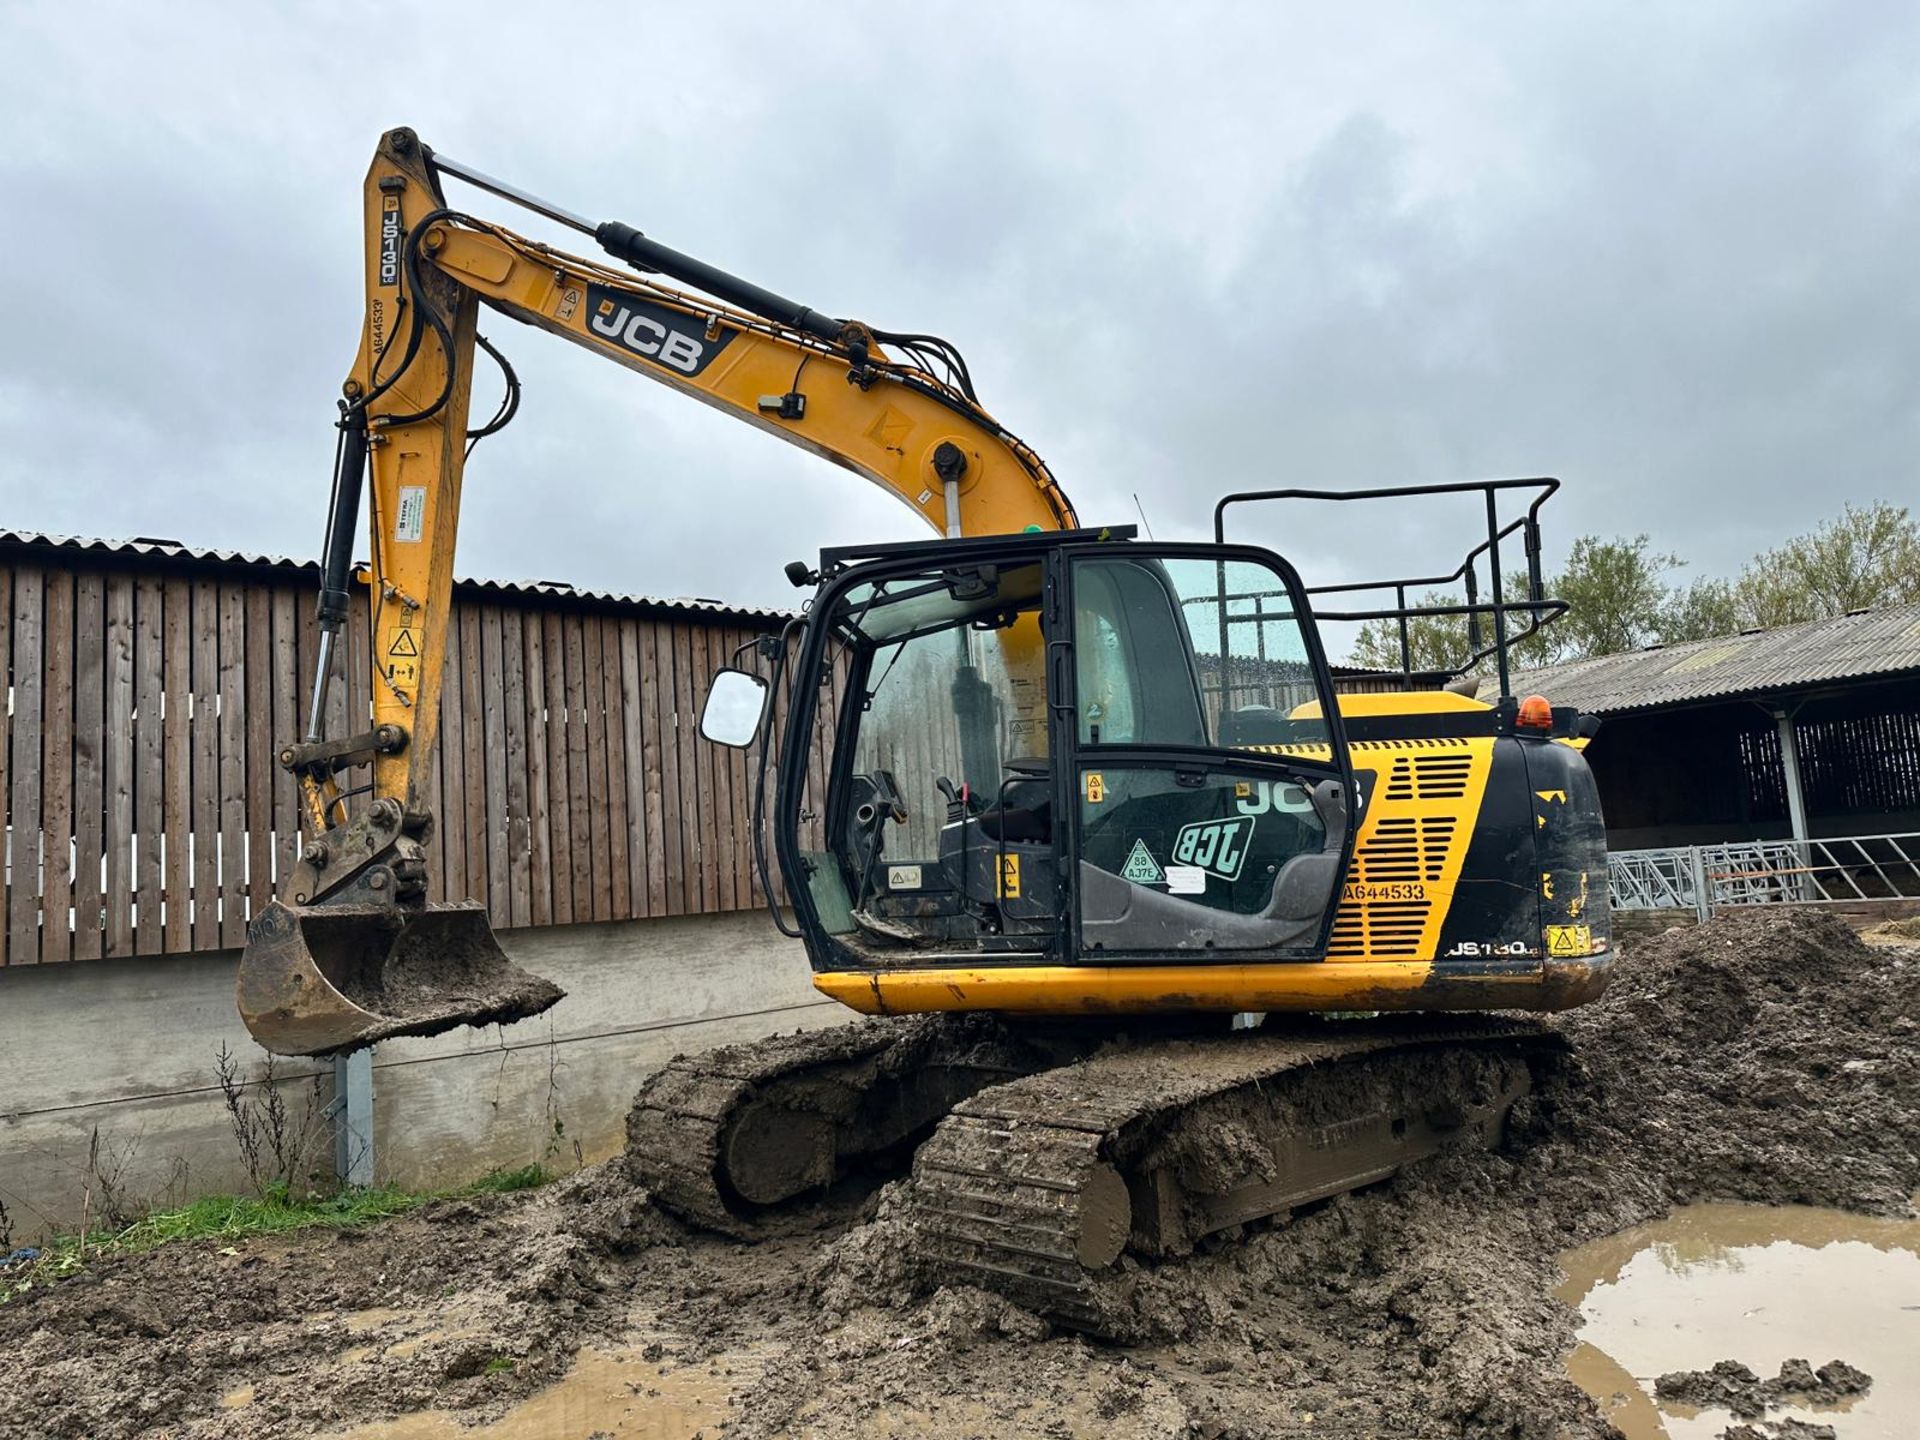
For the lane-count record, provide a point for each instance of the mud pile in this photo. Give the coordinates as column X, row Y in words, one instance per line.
column 1770, row 1056
column 1729, row 1385
column 1765, row 1057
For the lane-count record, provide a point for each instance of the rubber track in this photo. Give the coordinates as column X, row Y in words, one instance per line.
column 680, row 1116
column 999, row 1189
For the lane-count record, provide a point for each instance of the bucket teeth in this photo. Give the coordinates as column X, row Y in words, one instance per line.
column 320, row 979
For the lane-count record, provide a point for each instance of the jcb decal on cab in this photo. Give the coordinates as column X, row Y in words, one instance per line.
column 653, row 332
column 1257, row 797
column 1217, row 846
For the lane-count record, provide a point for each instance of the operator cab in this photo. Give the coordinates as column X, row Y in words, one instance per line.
column 1067, row 746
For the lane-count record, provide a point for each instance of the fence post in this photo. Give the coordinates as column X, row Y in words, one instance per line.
column 353, row 1117
column 1702, row 896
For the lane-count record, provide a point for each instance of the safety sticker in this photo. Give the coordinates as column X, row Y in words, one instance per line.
column 1009, row 877
column 411, row 521
column 402, row 661
column 1569, row 941
column 1186, row 880
column 1096, row 787
column 1141, row 868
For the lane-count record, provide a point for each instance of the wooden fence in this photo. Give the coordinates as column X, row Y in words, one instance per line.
column 147, row 815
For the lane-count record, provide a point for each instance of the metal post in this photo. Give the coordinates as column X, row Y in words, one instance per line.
column 1790, row 763
column 353, row 1117
column 1406, row 641
column 1499, row 594
column 1702, row 896
column 1796, row 796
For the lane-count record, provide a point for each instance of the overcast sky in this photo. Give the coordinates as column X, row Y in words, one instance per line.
column 1664, row 253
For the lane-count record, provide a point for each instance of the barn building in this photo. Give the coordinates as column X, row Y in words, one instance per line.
column 1802, row 732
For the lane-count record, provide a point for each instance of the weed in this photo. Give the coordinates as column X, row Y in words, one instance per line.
column 277, row 1146
column 505, row 1182
column 557, row 1139
column 498, row 1365
column 104, row 1187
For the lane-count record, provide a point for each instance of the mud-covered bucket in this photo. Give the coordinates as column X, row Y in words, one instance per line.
column 316, row 979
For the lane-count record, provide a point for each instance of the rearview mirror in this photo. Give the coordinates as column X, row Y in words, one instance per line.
column 733, row 709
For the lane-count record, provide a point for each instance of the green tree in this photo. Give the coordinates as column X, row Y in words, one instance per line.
column 1442, row 642
column 1699, row 611
column 1616, row 600
column 1434, row 642
column 1616, row 593
column 1864, row 557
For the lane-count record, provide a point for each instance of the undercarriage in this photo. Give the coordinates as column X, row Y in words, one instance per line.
column 1048, row 1162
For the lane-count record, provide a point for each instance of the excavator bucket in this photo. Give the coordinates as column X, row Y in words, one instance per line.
column 319, row 979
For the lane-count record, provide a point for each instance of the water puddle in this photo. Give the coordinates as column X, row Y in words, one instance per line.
column 1754, row 1284
column 606, row 1393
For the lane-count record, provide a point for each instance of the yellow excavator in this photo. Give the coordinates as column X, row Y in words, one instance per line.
column 1082, row 799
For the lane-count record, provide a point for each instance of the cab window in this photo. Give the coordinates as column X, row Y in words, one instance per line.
column 1187, row 651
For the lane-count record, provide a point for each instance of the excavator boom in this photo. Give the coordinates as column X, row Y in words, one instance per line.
column 350, row 952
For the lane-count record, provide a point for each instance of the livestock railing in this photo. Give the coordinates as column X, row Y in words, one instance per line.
column 1703, row 878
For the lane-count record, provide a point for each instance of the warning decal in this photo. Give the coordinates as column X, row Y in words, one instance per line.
column 1569, row 941
column 1009, row 877
column 1141, row 868
column 402, row 662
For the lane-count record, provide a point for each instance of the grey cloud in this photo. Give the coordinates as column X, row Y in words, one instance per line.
column 1185, row 248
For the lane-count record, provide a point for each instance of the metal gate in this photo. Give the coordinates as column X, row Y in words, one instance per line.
column 1702, row 878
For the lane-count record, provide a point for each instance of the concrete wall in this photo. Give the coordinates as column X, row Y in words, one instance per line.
column 128, row 1047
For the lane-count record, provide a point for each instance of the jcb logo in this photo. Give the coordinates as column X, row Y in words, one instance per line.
column 389, row 239
column 1216, row 846
column 652, row 331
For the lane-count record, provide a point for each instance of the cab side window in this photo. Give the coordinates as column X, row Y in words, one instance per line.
column 1188, row 651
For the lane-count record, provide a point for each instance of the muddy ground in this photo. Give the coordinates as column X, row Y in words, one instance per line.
column 1768, row 1057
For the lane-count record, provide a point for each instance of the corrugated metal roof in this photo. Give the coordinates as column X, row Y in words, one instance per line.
column 1818, row 653
column 147, row 547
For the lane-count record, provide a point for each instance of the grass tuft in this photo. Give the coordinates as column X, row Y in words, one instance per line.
column 505, row 1182
column 240, row 1217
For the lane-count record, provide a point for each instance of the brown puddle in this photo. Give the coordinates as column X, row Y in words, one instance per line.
column 1755, row 1284
column 608, row 1393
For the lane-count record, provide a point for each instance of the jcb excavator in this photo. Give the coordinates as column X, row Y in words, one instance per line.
column 1085, row 796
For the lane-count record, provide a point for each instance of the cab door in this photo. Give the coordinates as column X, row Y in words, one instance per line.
column 1212, row 805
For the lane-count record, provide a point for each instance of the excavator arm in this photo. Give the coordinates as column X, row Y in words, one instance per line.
column 350, row 952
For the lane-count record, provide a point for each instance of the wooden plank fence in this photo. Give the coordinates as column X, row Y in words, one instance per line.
column 146, row 813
